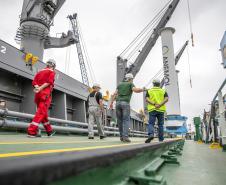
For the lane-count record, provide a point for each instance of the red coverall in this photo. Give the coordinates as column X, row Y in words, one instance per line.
column 42, row 100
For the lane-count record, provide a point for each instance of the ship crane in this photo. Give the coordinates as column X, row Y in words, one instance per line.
column 147, row 39
column 74, row 23
column 177, row 58
column 134, row 68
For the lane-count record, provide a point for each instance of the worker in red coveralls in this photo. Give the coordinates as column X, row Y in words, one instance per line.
column 43, row 85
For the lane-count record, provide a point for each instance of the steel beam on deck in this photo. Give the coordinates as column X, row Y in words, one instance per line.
column 49, row 168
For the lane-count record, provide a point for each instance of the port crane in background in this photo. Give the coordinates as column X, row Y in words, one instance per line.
column 74, row 23
column 160, row 72
column 36, row 20
column 138, row 53
column 80, row 45
column 148, row 41
column 177, row 58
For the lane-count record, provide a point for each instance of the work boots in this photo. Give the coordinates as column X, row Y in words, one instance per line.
column 102, row 137
column 33, row 131
column 51, row 133
column 125, row 140
column 149, row 139
column 34, row 135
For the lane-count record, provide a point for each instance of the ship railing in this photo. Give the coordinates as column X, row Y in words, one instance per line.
column 13, row 119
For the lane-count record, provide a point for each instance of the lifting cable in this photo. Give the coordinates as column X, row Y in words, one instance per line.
column 88, row 61
column 189, row 67
column 145, row 37
column 157, row 75
column 145, row 29
column 190, row 23
column 144, row 40
column 138, row 37
column 68, row 55
column 66, row 60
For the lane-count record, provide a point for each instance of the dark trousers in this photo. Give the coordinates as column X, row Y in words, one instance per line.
column 123, row 117
column 152, row 117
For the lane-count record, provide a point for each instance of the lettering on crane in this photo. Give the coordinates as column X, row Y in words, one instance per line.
column 3, row 49
column 166, row 71
column 165, row 50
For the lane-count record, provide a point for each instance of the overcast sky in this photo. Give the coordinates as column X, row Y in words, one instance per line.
column 108, row 26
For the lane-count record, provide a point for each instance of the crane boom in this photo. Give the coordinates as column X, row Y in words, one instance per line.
column 74, row 23
column 135, row 67
column 177, row 58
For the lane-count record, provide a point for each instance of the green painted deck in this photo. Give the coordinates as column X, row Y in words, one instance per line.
column 199, row 165
column 14, row 145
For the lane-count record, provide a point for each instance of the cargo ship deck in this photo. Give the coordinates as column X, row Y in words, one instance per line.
column 73, row 159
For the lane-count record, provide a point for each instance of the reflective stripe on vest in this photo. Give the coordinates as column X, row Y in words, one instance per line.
column 156, row 95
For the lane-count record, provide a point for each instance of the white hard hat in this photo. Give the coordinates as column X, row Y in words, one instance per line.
column 51, row 62
column 96, row 85
column 156, row 81
column 129, row 76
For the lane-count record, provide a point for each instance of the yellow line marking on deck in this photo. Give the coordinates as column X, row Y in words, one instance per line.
column 38, row 152
column 47, row 142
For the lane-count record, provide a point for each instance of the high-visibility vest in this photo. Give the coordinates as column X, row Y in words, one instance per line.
column 156, row 95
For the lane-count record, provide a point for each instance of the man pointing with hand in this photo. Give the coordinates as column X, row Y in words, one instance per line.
column 123, row 96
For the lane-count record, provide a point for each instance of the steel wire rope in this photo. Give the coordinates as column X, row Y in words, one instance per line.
column 83, row 70
column 90, row 70
column 141, row 43
column 134, row 40
column 88, row 61
column 69, row 59
column 157, row 75
column 189, row 67
column 69, row 54
column 142, row 32
column 160, row 72
column 148, row 34
column 190, row 23
column 67, row 64
column 144, row 39
column 66, row 58
column 89, row 74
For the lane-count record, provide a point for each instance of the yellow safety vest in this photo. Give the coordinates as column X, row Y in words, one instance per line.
column 156, row 95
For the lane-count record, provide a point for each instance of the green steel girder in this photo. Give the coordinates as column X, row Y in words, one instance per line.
column 154, row 166
column 142, row 169
column 142, row 179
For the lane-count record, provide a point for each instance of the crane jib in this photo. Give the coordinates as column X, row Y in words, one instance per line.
column 135, row 67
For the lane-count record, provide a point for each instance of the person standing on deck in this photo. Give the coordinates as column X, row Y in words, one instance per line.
column 156, row 98
column 43, row 84
column 96, row 108
column 123, row 96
